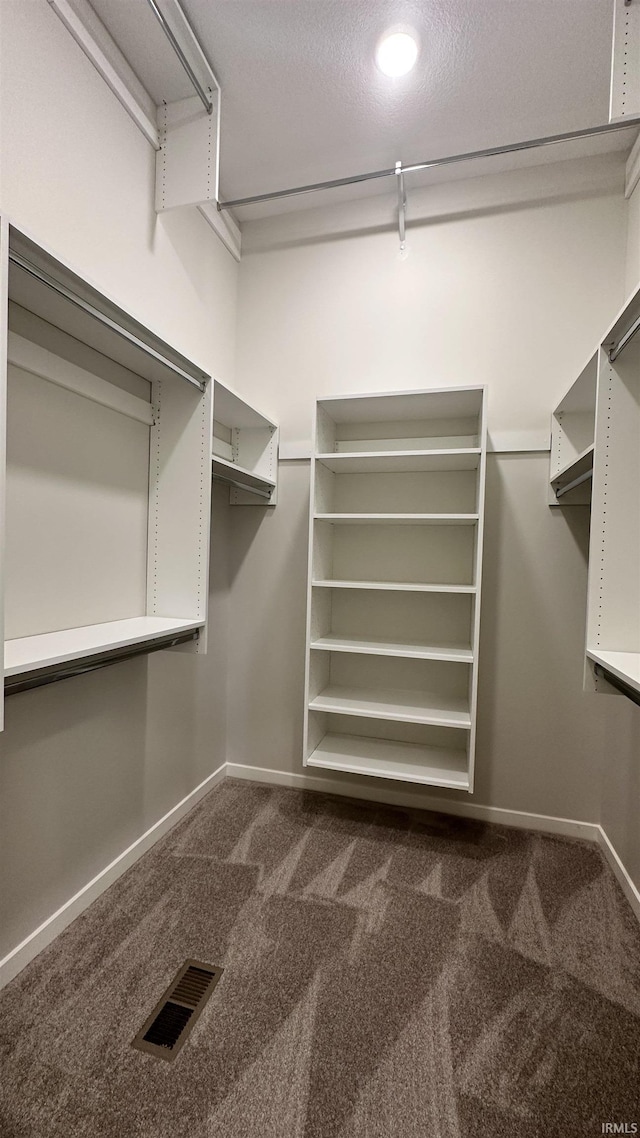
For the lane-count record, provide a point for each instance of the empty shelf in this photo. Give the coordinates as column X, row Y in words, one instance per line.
column 395, row 586
column 576, row 471
column 399, row 519
column 624, row 665
column 458, row 652
column 239, row 476
column 48, row 649
column 400, row 462
column 396, row 704
column 407, row 762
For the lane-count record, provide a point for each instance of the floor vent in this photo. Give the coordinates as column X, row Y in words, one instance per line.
column 173, row 1018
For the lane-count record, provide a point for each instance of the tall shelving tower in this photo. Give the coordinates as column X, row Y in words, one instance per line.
column 395, row 562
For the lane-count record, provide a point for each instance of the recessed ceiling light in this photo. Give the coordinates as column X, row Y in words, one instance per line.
column 396, row 53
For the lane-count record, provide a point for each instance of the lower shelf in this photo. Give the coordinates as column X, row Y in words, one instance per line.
column 34, row 652
column 405, row 762
column 394, row 705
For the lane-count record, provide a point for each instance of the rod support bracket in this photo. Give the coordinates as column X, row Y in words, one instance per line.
column 402, row 207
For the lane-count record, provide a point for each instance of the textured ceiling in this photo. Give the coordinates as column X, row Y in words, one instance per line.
column 303, row 101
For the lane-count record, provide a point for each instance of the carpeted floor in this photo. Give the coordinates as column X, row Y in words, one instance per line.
column 387, row 975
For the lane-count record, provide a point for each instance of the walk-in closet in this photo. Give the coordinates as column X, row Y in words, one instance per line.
column 320, row 568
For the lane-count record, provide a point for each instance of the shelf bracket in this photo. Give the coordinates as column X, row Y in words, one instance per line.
column 402, row 207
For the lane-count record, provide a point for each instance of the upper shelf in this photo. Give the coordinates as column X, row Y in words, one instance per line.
column 43, row 285
column 245, row 449
column 401, row 462
column 399, row 519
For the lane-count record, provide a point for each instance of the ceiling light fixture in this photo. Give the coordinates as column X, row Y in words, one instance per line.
column 396, row 53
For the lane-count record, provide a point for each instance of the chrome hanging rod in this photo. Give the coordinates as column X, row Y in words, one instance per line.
column 615, row 681
column 67, row 670
column 576, row 482
column 433, row 163
column 95, row 314
column 243, row 486
column 207, row 103
column 615, row 349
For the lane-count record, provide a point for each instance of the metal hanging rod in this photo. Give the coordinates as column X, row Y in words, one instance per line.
column 433, row 163
column 576, row 482
column 615, row 349
column 243, row 486
column 206, row 101
column 615, row 681
column 67, row 670
column 89, row 309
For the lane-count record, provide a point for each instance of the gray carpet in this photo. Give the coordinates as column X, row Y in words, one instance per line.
column 388, row 974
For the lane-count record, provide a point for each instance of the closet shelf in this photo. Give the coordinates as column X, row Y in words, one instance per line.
column 413, row 650
column 624, row 665
column 29, row 653
column 400, row 462
column 232, row 473
column 395, row 704
column 394, row 586
column 573, row 473
column 399, row 519
column 406, row 762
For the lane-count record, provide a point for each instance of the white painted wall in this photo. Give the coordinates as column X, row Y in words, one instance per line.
column 88, row 765
column 509, row 282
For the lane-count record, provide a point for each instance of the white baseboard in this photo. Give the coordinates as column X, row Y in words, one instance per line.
column 624, row 880
column 545, row 823
column 19, row 957
column 24, row 952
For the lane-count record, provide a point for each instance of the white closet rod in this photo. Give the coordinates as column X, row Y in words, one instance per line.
column 433, row 163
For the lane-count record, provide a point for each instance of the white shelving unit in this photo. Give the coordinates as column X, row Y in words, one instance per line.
column 595, row 459
column 108, row 487
column 613, row 616
column 395, row 556
column 572, row 440
column 245, row 449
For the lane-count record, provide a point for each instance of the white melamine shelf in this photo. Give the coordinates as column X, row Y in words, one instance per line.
column 412, row 650
column 399, row 519
column 224, row 469
column 624, row 665
column 395, row 704
column 245, row 449
column 46, row 650
column 393, row 586
column 406, row 762
column 582, row 464
column 400, row 462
